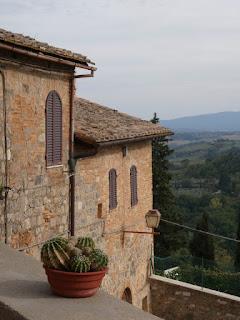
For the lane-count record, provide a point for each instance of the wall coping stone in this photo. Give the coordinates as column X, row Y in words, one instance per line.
column 25, row 295
column 194, row 287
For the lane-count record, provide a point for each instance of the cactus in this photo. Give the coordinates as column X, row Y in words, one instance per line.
column 86, row 251
column 54, row 254
column 75, row 252
column 72, row 240
column 84, row 242
column 99, row 260
column 80, row 263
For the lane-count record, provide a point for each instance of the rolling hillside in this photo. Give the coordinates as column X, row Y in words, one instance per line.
column 223, row 121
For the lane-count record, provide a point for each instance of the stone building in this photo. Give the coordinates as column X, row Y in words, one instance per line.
column 37, row 205
column 70, row 166
column 120, row 144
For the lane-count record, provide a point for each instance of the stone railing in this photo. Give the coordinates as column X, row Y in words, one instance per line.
column 25, row 295
column 175, row 300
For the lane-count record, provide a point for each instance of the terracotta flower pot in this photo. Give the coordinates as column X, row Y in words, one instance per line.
column 73, row 284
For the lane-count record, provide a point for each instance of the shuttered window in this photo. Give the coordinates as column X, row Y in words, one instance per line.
column 112, row 189
column 53, row 129
column 133, row 185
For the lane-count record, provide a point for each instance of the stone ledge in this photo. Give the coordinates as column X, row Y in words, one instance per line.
column 194, row 287
column 172, row 299
column 25, row 295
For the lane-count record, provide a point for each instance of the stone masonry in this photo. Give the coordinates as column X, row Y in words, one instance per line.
column 129, row 260
column 38, row 202
column 2, row 157
column 175, row 300
column 37, row 205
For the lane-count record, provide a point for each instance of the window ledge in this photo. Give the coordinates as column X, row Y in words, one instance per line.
column 55, row 166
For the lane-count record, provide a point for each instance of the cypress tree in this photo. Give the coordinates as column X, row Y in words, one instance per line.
column 237, row 255
column 201, row 246
column 171, row 238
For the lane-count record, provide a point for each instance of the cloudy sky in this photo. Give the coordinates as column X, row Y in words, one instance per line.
column 175, row 57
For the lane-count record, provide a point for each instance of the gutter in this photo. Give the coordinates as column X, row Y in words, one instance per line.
column 133, row 140
column 42, row 56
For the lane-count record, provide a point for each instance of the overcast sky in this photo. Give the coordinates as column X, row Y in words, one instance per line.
column 175, row 57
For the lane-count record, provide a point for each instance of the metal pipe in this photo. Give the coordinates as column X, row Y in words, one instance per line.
column 90, row 75
column 6, row 158
column 46, row 57
column 71, row 163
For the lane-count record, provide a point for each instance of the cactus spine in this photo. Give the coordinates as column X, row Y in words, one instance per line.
column 80, row 263
column 99, row 260
column 54, row 254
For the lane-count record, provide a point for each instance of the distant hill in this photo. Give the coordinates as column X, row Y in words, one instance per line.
column 223, row 121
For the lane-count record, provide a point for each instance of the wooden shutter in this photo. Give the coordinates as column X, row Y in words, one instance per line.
column 53, row 129
column 133, row 186
column 112, row 189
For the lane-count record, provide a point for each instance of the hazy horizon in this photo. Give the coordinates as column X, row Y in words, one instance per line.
column 178, row 58
column 202, row 114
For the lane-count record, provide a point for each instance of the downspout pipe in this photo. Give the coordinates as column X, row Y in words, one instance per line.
column 71, row 163
column 6, row 157
column 72, row 159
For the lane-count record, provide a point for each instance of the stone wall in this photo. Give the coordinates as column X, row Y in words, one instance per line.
column 175, row 300
column 37, row 205
column 129, row 260
column 2, row 163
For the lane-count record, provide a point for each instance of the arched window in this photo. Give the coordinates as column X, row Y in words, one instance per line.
column 53, row 129
column 133, row 185
column 112, row 189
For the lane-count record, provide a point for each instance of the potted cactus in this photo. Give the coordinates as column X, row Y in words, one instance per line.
column 74, row 268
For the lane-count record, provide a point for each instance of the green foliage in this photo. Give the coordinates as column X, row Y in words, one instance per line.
column 209, row 182
column 99, row 260
column 201, row 245
column 227, row 282
column 84, row 242
column 171, row 238
column 237, row 254
column 80, row 263
column 54, row 254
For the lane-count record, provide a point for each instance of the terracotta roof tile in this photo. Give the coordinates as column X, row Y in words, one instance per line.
column 29, row 43
column 99, row 124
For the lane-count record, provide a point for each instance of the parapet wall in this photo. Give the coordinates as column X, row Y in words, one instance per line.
column 175, row 300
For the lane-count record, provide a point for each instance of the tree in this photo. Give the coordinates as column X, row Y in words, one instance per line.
column 237, row 255
column 225, row 183
column 171, row 238
column 201, row 246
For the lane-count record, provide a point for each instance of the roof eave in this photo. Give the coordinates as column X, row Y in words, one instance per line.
column 134, row 139
column 46, row 56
